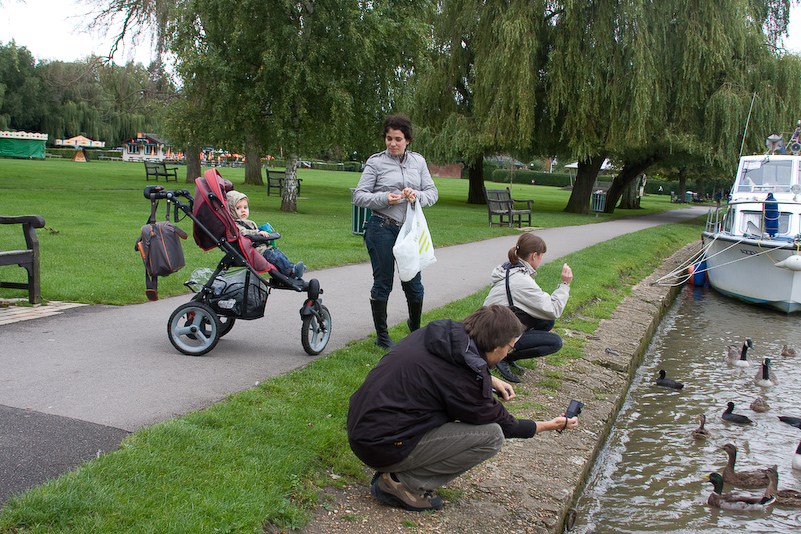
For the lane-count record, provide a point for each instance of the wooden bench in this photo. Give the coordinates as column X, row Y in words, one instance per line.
column 27, row 259
column 275, row 180
column 156, row 169
column 501, row 204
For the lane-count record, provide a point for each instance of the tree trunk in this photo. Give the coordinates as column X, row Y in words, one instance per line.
column 629, row 199
column 289, row 200
column 193, row 168
column 682, row 184
column 252, row 160
column 627, row 175
column 475, row 174
column 582, row 188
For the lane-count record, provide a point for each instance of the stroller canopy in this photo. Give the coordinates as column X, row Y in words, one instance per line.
column 216, row 224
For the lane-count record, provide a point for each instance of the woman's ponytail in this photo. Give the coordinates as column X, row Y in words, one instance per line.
column 526, row 245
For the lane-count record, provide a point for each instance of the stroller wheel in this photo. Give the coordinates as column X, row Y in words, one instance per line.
column 193, row 328
column 315, row 331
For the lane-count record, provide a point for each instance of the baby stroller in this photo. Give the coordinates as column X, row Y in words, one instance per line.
column 235, row 290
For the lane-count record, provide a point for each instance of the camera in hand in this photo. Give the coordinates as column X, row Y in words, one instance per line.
column 574, row 409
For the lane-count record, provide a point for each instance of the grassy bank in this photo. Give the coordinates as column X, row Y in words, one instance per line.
column 259, row 457
column 94, row 211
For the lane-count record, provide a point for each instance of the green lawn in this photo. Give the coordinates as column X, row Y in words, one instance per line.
column 94, row 211
column 260, row 457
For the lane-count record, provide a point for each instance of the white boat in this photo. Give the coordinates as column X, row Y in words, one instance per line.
column 752, row 244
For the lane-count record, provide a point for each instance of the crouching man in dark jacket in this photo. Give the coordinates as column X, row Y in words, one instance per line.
column 426, row 413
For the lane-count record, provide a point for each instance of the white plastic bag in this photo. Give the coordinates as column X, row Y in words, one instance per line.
column 414, row 249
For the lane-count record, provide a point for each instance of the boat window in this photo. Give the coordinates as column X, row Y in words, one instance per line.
column 762, row 175
column 755, row 218
column 727, row 220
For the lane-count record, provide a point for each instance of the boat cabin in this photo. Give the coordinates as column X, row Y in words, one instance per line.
column 758, row 177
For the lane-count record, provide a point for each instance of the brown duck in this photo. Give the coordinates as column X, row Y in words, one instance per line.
column 785, row 497
column 743, row 479
column 700, row 432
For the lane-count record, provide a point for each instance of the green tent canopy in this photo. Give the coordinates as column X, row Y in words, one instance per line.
column 22, row 145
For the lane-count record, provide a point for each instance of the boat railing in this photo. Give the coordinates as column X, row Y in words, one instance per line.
column 714, row 220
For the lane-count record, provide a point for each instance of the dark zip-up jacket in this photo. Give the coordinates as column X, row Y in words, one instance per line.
column 434, row 376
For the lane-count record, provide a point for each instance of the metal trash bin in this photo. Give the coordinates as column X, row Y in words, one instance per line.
column 688, row 197
column 358, row 216
column 598, row 201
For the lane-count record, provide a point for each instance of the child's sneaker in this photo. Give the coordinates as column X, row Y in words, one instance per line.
column 298, row 270
column 386, row 488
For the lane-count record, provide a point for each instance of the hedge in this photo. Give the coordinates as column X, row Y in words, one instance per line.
column 555, row 179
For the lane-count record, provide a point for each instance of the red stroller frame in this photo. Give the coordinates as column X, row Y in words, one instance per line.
column 195, row 328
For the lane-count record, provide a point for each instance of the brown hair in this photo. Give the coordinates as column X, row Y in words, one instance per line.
column 492, row 326
column 399, row 122
column 526, row 245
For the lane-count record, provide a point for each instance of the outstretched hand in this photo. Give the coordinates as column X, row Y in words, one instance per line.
column 567, row 274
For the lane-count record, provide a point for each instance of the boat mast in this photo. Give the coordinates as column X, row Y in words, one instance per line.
column 746, row 123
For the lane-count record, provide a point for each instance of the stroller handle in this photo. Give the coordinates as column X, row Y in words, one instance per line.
column 157, row 192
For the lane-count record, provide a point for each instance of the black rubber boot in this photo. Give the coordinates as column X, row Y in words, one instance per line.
column 415, row 313
column 382, row 338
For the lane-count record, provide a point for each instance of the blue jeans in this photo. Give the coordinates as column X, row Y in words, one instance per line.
column 279, row 259
column 379, row 238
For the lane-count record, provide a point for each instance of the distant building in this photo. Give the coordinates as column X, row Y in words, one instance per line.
column 146, row 147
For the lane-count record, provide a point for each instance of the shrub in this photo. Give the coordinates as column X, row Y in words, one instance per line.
column 532, row 177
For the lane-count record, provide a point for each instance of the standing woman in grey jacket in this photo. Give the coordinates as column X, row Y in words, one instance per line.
column 390, row 180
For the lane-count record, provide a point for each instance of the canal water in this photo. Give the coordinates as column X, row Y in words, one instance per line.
column 650, row 475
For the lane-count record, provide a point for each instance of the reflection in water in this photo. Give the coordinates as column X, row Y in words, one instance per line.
column 650, row 476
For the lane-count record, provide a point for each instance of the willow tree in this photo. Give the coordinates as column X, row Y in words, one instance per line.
column 638, row 80
column 480, row 89
column 737, row 74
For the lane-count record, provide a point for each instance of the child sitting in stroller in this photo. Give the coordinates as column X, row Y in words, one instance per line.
column 238, row 205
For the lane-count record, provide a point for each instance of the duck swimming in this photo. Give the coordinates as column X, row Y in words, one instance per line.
column 701, row 432
column 785, row 497
column 734, row 417
column 666, row 382
column 788, row 351
column 765, row 377
column 729, row 501
column 742, row 479
column 792, row 421
column 737, row 356
column 759, row 405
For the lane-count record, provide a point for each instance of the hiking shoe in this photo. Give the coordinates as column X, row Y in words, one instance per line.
column 386, row 488
column 506, row 373
column 513, row 365
column 298, row 270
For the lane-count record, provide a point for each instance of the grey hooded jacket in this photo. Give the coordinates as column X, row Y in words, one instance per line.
column 384, row 173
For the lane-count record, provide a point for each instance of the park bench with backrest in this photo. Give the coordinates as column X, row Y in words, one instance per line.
column 28, row 259
column 500, row 204
column 155, row 169
column 275, row 180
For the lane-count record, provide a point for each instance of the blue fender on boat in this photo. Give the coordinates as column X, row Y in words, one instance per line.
column 771, row 215
column 698, row 276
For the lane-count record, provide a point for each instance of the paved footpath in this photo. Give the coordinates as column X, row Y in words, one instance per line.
column 75, row 384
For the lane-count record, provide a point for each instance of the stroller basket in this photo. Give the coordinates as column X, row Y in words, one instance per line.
column 238, row 293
